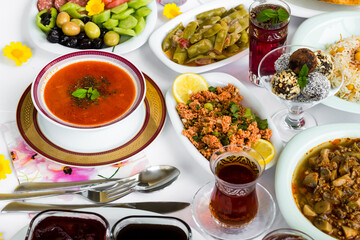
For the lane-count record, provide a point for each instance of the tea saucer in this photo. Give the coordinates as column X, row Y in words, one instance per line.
column 96, row 148
column 203, row 218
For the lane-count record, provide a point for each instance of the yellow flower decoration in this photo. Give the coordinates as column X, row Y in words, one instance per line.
column 0, row 236
column 17, row 52
column 4, row 168
column 94, row 7
column 171, row 10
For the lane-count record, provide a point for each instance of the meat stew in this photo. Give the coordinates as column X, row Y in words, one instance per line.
column 326, row 187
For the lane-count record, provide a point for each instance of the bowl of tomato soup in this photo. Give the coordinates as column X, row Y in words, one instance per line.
column 88, row 90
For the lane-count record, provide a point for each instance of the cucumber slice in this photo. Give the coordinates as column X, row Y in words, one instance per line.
column 138, row 3
column 140, row 26
column 101, row 17
column 120, row 8
column 128, row 23
column 143, row 11
column 122, row 31
column 123, row 14
column 110, row 24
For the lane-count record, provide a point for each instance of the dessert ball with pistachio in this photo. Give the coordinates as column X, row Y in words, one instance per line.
column 285, row 85
column 317, row 87
column 300, row 57
column 325, row 63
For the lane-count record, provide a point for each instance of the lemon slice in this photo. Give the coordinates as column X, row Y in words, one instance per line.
column 188, row 83
column 265, row 148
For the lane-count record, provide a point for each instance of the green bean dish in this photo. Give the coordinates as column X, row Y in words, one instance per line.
column 214, row 35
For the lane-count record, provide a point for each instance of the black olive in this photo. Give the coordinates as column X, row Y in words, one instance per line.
column 81, row 36
column 63, row 39
column 85, row 43
column 45, row 18
column 97, row 43
column 102, row 32
column 85, row 19
column 53, row 36
column 71, row 42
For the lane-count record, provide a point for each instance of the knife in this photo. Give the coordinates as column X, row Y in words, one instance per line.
column 157, row 207
column 38, row 186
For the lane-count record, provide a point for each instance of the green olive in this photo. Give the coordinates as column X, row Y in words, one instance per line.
column 111, row 38
column 92, row 30
column 62, row 17
column 70, row 29
column 78, row 22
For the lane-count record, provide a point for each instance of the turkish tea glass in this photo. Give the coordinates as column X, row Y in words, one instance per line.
column 294, row 119
column 234, row 201
column 265, row 36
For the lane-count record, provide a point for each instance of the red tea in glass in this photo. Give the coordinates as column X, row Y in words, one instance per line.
column 234, row 202
column 265, row 36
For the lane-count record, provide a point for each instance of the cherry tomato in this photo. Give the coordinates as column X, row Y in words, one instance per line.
column 115, row 3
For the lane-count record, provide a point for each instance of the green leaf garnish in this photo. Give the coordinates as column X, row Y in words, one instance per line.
column 262, row 124
column 283, row 14
column 248, row 114
column 234, row 108
column 302, row 80
column 89, row 93
column 79, row 93
column 212, row 89
column 270, row 14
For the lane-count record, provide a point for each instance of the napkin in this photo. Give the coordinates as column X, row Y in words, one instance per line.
column 32, row 167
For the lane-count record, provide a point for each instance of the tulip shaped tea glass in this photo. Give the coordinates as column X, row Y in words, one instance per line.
column 282, row 72
column 287, row 233
column 235, row 206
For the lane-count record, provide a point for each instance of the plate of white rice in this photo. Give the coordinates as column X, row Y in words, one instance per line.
column 339, row 34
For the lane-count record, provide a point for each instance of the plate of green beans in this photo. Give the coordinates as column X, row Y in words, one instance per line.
column 205, row 38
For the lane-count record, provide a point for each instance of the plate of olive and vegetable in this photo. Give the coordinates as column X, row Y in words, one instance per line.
column 66, row 26
column 207, row 37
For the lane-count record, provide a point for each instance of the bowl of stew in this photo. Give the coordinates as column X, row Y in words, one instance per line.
column 88, row 90
column 317, row 182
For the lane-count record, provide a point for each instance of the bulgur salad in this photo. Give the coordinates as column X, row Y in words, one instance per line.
column 215, row 118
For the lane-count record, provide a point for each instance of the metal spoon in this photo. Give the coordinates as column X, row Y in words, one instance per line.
column 150, row 179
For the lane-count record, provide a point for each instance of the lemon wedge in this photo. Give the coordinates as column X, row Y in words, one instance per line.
column 186, row 84
column 265, row 148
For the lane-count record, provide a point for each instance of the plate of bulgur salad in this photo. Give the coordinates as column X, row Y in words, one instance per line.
column 339, row 34
column 234, row 117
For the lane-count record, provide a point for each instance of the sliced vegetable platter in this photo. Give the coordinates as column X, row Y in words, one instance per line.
column 126, row 44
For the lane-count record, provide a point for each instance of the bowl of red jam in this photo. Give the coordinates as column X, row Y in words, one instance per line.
column 151, row 227
column 66, row 224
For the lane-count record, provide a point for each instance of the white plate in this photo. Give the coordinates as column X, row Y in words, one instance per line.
column 292, row 153
column 310, row 8
column 222, row 79
column 39, row 38
column 326, row 29
column 112, row 215
column 156, row 38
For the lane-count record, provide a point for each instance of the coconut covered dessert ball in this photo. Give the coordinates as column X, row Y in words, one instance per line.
column 285, row 85
column 300, row 57
column 325, row 63
column 317, row 87
column 282, row 63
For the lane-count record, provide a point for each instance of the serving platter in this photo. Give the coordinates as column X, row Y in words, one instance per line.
column 288, row 161
column 310, row 8
column 73, row 149
column 325, row 29
column 156, row 38
column 223, row 79
column 126, row 44
column 112, row 215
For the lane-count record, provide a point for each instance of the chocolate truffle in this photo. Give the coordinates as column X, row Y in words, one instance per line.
column 325, row 64
column 282, row 63
column 300, row 57
column 317, row 88
column 284, row 84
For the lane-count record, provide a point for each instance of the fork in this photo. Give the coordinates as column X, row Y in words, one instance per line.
column 101, row 194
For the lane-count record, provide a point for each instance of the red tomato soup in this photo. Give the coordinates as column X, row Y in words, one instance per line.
column 89, row 93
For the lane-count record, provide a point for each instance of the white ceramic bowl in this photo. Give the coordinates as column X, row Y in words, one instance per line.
column 157, row 37
column 222, row 79
column 38, row 86
column 287, row 163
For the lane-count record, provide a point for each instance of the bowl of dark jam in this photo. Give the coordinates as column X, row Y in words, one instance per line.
column 151, row 227
column 66, row 224
column 287, row 234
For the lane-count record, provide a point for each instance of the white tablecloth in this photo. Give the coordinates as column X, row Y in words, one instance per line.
column 167, row 148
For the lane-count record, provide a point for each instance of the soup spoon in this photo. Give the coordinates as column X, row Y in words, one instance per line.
column 150, row 179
